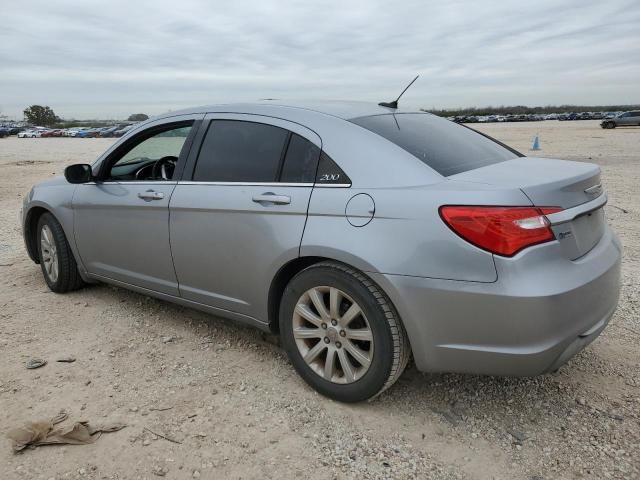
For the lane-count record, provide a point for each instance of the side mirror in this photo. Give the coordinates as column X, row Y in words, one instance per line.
column 78, row 173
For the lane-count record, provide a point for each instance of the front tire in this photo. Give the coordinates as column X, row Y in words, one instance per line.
column 341, row 332
column 56, row 258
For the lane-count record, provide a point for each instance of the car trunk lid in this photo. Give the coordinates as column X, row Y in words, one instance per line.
column 573, row 186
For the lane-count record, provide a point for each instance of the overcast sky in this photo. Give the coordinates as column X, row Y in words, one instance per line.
column 108, row 59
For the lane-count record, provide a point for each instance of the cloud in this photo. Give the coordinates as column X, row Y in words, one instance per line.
column 88, row 59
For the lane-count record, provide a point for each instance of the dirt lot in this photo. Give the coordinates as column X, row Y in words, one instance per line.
column 240, row 411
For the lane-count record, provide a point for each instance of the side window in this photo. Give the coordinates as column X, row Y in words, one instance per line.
column 329, row 173
column 238, row 151
column 301, row 161
column 153, row 157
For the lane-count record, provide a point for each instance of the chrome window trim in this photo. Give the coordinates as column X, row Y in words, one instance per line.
column 261, row 184
column 133, row 182
column 247, row 184
column 238, row 184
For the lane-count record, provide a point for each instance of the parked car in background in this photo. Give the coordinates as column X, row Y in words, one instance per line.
column 29, row 134
column 626, row 119
column 76, row 131
column 358, row 233
column 4, row 132
column 122, row 131
column 108, row 132
column 52, row 133
column 95, row 132
column 13, row 129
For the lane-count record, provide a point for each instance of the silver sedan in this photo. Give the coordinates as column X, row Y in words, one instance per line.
column 361, row 234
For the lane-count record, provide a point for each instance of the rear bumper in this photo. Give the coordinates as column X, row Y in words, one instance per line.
column 539, row 313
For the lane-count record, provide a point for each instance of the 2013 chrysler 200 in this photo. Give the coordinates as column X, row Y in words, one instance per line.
column 357, row 232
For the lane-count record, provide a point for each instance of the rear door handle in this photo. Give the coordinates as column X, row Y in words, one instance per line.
column 151, row 195
column 271, row 198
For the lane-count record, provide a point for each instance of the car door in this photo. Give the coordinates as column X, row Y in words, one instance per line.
column 239, row 213
column 121, row 221
column 625, row 119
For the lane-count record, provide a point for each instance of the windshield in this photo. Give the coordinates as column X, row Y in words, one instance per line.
column 445, row 146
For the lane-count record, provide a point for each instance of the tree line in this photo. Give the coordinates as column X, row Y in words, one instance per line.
column 522, row 109
column 44, row 116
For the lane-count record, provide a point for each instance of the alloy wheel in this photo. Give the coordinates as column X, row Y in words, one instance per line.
column 49, row 253
column 333, row 335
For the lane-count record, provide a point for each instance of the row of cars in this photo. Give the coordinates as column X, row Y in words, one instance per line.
column 534, row 117
column 78, row 132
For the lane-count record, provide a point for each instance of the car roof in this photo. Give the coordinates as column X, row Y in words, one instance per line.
column 337, row 108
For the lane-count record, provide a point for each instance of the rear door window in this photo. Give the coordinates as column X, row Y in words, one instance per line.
column 446, row 147
column 329, row 173
column 301, row 161
column 238, row 151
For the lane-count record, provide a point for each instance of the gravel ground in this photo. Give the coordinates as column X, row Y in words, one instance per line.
column 230, row 397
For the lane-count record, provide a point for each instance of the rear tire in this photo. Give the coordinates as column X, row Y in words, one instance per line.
column 58, row 265
column 349, row 357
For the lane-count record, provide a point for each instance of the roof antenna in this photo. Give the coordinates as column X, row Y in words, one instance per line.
column 394, row 104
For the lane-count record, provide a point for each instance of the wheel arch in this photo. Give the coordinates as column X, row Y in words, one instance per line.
column 280, row 282
column 290, row 270
column 31, row 230
column 30, row 225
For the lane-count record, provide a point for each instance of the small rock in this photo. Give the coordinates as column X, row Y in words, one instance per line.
column 159, row 471
column 517, row 435
column 196, row 474
column 66, row 360
column 581, row 401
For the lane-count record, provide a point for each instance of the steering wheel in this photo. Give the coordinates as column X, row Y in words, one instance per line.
column 164, row 168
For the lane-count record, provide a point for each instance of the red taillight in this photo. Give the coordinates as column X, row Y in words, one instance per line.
column 501, row 230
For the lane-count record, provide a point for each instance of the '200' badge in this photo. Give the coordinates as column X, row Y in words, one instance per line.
column 329, row 177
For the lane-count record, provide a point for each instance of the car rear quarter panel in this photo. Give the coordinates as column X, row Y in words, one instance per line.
column 406, row 235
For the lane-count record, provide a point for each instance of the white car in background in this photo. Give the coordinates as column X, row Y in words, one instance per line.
column 73, row 132
column 29, row 134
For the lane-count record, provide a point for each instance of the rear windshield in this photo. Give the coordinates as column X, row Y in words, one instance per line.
column 445, row 146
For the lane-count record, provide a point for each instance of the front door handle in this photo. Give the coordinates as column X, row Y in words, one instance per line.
column 271, row 198
column 151, row 195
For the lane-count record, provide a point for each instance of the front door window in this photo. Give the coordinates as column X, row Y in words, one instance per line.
column 153, row 158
